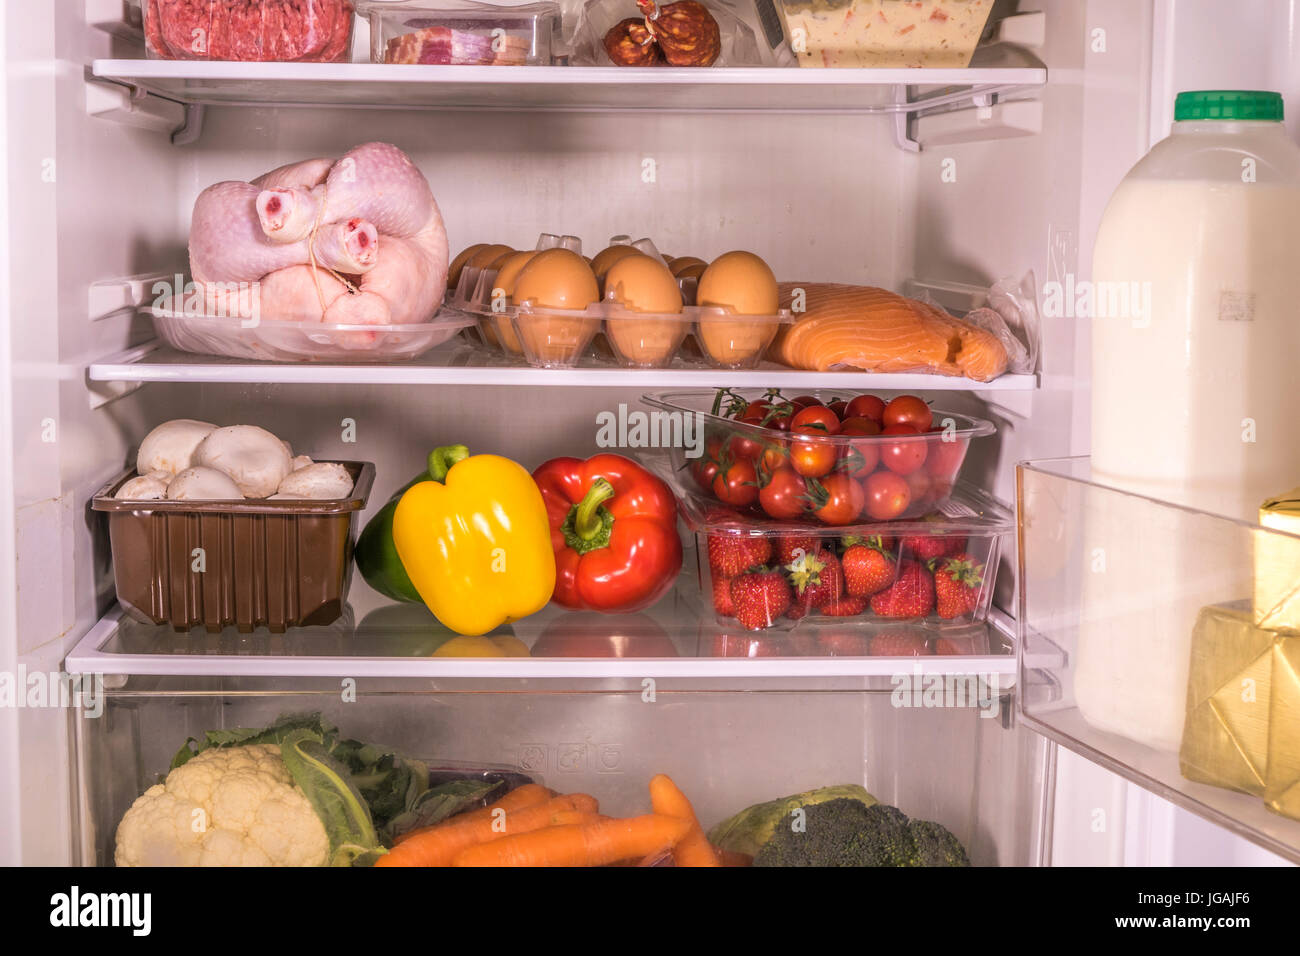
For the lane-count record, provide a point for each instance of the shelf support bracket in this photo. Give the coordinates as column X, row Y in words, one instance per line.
column 192, row 129
column 902, row 118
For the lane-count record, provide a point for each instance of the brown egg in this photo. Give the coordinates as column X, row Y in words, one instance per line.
column 457, row 264
column 683, row 262
column 486, row 256
column 691, row 271
column 508, row 272
column 555, row 279
column 742, row 284
column 607, row 257
column 503, row 290
column 641, row 284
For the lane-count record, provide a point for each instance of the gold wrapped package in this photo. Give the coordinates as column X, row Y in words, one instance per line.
column 1277, row 564
column 1226, row 734
column 1282, row 793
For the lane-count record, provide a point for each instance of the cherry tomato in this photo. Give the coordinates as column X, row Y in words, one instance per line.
column 758, row 407
column 945, row 457
column 817, row 415
column 704, row 470
column 887, row 495
column 775, row 454
column 859, row 426
column 859, row 458
column 746, row 444
column 812, row 457
column 844, row 500
column 903, row 457
column 920, row 485
column 804, row 401
column 737, row 485
column 865, row 406
column 908, row 410
column 838, row 408
column 783, row 495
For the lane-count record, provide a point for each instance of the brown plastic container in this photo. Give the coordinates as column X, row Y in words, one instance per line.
column 273, row 564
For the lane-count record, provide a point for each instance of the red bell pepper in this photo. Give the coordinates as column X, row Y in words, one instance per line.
column 614, row 530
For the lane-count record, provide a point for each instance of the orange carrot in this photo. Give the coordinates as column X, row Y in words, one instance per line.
column 694, row 848
column 527, row 795
column 732, row 858
column 590, row 844
column 438, row 846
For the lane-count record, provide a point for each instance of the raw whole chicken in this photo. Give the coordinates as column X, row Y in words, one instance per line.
column 357, row 241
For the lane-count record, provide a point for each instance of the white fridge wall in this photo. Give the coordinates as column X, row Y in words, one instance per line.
column 87, row 199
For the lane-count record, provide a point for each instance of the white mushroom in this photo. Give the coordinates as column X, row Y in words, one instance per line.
column 145, row 487
column 202, row 484
column 170, row 446
column 255, row 459
column 326, row 479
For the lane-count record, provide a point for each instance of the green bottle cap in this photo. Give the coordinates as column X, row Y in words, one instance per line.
column 1255, row 105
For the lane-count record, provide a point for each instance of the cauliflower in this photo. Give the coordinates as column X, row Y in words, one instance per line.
column 233, row 806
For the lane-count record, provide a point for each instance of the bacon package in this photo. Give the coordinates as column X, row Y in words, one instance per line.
column 462, row 33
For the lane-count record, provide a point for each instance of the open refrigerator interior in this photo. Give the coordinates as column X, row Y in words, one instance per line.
column 994, row 172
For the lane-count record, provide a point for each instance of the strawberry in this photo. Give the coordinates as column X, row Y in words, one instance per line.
column 761, row 597
column 957, row 581
column 816, row 577
column 956, row 543
column 867, row 570
column 722, row 602
column 731, row 554
column 845, row 606
column 911, row 594
column 899, row 643
column 924, row 547
column 789, row 547
column 799, row 607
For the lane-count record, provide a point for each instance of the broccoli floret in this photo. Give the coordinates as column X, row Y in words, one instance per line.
column 934, row 845
column 843, row 832
column 840, row 833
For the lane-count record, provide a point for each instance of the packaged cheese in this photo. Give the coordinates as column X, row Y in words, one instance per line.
column 884, row 33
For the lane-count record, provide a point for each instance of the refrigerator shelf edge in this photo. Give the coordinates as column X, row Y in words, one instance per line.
column 567, row 89
column 457, row 365
column 90, row 657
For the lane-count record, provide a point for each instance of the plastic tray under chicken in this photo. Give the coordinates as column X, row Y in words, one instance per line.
column 274, row 341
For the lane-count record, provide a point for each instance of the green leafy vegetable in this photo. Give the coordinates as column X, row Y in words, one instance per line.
column 439, row 803
column 336, row 800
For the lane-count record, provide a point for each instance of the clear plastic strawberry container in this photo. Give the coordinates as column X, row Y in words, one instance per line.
column 290, row 31
column 761, row 575
column 841, row 479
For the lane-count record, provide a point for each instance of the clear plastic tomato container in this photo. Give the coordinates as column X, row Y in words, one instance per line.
column 894, row 476
column 290, row 31
column 940, row 571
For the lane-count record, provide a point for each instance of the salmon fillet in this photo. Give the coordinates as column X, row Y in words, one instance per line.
column 850, row 326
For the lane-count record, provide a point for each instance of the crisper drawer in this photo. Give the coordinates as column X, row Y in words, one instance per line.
column 1165, row 646
column 727, row 748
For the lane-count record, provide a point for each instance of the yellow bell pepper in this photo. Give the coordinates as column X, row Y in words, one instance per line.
column 475, row 541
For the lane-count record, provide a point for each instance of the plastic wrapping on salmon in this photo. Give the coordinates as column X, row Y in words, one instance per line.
column 1011, row 315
